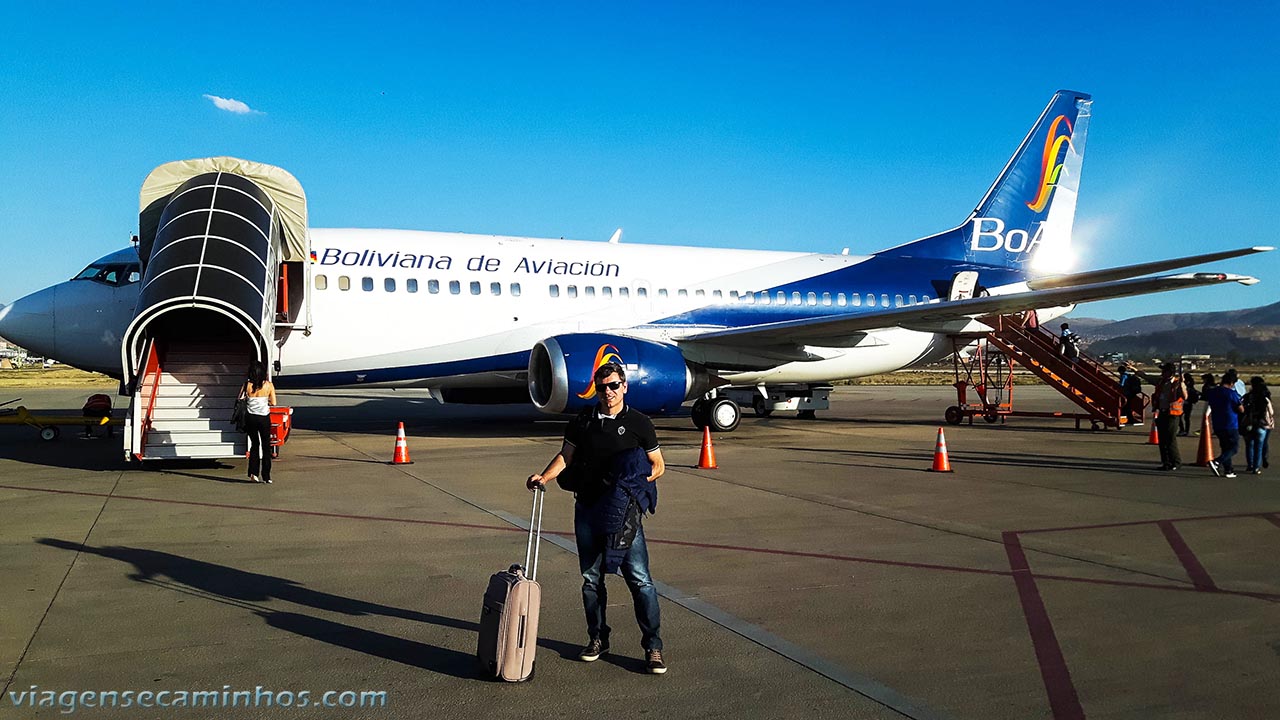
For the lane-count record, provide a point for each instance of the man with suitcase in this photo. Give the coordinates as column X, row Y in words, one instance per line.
column 591, row 442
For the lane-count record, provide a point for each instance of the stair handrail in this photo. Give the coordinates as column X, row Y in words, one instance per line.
column 153, row 363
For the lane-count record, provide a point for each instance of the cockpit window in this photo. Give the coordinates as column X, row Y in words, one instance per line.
column 115, row 274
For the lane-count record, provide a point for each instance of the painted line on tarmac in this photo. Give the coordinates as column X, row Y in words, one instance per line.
column 858, row 683
column 1199, row 576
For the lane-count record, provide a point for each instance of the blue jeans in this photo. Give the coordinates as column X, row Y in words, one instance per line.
column 635, row 570
column 1254, row 442
column 1230, row 441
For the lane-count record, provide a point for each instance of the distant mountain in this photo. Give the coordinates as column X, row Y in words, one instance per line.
column 1252, row 334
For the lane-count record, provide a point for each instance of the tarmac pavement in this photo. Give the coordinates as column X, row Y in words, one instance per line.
column 821, row 571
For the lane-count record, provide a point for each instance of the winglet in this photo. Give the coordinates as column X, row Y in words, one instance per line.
column 617, row 236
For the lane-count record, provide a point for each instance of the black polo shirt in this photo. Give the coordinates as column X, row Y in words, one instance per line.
column 596, row 438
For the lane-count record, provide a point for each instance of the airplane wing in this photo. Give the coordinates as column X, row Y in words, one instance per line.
column 945, row 316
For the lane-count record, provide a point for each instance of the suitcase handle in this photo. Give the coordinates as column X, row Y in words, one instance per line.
column 531, row 551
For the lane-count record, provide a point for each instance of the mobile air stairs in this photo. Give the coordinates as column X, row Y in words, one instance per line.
column 1012, row 340
column 225, row 252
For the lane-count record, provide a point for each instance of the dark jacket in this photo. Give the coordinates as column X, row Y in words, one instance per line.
column 618, row 513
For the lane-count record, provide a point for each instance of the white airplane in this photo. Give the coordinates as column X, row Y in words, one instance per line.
column 480, row 318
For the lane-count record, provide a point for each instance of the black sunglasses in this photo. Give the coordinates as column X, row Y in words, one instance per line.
column 610, row 385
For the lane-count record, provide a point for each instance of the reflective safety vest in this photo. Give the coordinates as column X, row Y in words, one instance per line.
column 1175, row 403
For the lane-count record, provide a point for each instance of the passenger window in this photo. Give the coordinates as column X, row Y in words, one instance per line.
column 433, row 286
column 624, row 292
column 683, row 293
column 795, row 299
column 841, row 301
column 782, row 298
column 411, row 285
column 590, row 290
column 856, row 300
column 475, row 287
column 515, row 289
column 871, row 300
column 455, row 287
column 812, row 298
column 750, row 298
column 344, row 282
column 495, row 288
column 733, row 294
column 642, row 292
column 555, row 290
column 607, row 292
column 884, row 299
column 700, row 293
column 366, row 284
column 911, row 299
column 716, row 294
column 826, row 298
column 765, row 298
column 322, row 282
column 389, row 285
column 573, row 291
column 897, row 301
column 662, row 293
column 926, row 299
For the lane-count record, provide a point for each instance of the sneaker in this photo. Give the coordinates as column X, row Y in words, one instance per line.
column 1213, row 465
column 654, row 660
column 254, row 479
column 1229, row 474
column 593, row 651
column 266, row 480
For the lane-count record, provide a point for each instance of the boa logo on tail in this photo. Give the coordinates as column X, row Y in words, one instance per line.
column 606, row 354
column 1050, row 165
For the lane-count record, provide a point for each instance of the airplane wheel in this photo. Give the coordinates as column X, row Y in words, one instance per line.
column 761, row 407
column 1096, row 426
column 807, row 414
column 991, row 417
column 724, row 415
column 953, row 416
column 49, row 433
column 700, row 414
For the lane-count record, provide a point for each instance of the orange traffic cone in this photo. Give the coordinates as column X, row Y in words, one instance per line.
column 708, row 459
column 401, row 456
column 940, row 461
column 1205, row 453
column 1154, row 437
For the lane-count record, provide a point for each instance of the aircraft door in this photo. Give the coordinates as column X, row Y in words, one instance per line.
column 962, row 286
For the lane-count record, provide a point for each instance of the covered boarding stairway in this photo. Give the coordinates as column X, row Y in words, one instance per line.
column 224, row 248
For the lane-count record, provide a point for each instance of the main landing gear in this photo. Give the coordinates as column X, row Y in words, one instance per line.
column 720, row 414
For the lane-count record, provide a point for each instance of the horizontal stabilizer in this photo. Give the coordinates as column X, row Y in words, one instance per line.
column 1130, row 271
column 949, row 316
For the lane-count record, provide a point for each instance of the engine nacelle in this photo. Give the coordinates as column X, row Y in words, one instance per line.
column 659, row 379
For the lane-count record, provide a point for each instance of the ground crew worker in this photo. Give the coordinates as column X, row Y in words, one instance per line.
column 1170, row 397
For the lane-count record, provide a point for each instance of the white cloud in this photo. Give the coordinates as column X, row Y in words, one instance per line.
column 231, row 105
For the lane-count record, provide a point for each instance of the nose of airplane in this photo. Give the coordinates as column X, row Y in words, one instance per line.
column 30, row 323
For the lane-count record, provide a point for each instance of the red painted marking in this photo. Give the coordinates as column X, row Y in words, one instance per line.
column 1053, row 666
column 1141, row 522
column 1199, row 576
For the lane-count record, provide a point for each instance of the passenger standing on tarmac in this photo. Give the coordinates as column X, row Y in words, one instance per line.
column 591, row 442
column 1169, row 399
column 262, row 395
column 1226, row 405
column 1193, row 397
column 1209, row 383
column 1257, row 422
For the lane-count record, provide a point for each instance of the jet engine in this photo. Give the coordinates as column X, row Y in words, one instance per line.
column 659, row 379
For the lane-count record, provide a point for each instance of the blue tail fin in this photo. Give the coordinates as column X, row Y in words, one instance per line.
column 1024, row 220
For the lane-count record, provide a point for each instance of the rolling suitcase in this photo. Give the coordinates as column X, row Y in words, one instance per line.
column 509, row 618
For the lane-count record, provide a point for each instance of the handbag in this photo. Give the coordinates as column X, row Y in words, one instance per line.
column 240, row 412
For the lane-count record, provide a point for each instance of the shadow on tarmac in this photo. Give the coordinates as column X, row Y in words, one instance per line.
column 1038, row 461
column 245, row 589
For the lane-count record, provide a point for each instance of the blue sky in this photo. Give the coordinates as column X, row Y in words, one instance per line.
column 805, row 126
